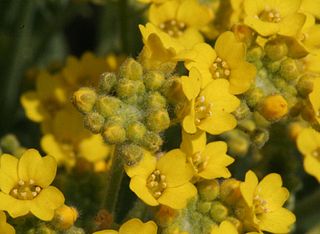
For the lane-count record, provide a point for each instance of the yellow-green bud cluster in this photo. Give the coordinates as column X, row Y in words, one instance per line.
column 10, row 144
column 128, row 109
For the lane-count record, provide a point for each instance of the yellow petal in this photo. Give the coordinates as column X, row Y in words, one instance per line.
column 173, row 165
column 308, row 140
column 139, row 187
column 144, row 168
column 242, row 77
column 4, row 226
column 44, row 205
column 106, row 232
column 278, row 221
column 312, row 166
column 14, row 207
column 163, row 12
column 33, row 166
column 191, row 84
column 190, row 37
column 263, row 28
column 218, row 123
column 193, row 143
column 311, row 6
column 248, row 187
column 8, row 172
column 135, row 225
column 188, row 122
column 224, row 228
column 291, row 24
column 287, row 7
column 32, row 106
column 178, row 197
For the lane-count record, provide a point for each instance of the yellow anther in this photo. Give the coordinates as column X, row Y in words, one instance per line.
column 173, row 27
column 21, row 182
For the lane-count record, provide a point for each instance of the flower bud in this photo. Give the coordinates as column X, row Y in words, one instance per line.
column 276, row 49
column 65, row 217
column 130, row 153
column 9, row 143
column 153, row 80
column 204, row 207
column 305, row 85
column 114, row 133
column 172, row 90
column 158, row 120
column 84, row 99
column 136, row 132
column 247, row 125
column 127, row 88
column 260, row 137
column 131, row 70
column 108, row 106
column 155, row 100
column 94, row 122
column 107, row 82
column 255, row 53
column 238, row 146
column 230, row 191
column 152, row 141
column 242, row 111
column 218, row 211
column 289, row 69
column 208, row 189
column 274, row 107
column 41, row 229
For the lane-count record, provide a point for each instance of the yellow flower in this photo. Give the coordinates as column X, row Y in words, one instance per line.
column 176, row 18
column 208, row 161
column 311, row 6
column 85, row 71
column 308, row 143
column 4, row 226
column 165, row 181
column 159, row 49
column 265, row 199
column 25, row 185
column 49, row 97
column 226, row 60
column 69, row 140
column 225, row 227
column 133, row 226
column 314, row 98
column 270, row 17
column 209, row 109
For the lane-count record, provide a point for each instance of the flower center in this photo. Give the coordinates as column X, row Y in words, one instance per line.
column 198, row 162
column 173, row 27
column 202, row 109
column 270, row 15
column 260, row 205
column 25, row 190
column 220, row 69
column 156, row 183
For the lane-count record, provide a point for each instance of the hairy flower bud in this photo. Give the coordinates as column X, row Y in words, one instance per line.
column 107, row 82
column 153, row 80
column 107, row 105
column 208, row 189
column 114, row 133
column 94, row 122
column 65, row 217
column 218, row 211
column 274, row 107
column 158, row 120
column 276, row 49
column 131, row 69
column 84, row 99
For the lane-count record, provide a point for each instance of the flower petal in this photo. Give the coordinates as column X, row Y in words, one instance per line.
column 248, row 187
column 218, row 123
column 14, row 207
column 144, row 168
column 135, row 225
column 312, row 166
column 32, row 106
column 8, row 172
column 139, row 187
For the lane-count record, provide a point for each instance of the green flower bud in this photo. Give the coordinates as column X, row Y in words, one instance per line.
column 247, row 125
column 74, row 230
column 218, row 211
column 155, row 100
column 131, row 70
column 230, row 191
column 238, row 146
column 153, row 80
column 208, row 190
column 273, row 66
column 41, row 229
column 84, row 99
column 114, row 133
column 94, row 122
column 280, row 83
column 260, row 137
column 136, row 132
column 108, row 106
column 255, row 54
column 305, row 85
column 130, row 153
column 242, row 111
column 107, row 81
column 254, row 96
column 276, row 49
column 172, row 90
column 128, row 88
column 289, row 69
column 158, row 120
column 204, row 207
column 152, row 141
column 9, row 143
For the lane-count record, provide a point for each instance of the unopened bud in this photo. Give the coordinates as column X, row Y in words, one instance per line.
column 274, row 107
column 255, row 54
column 127, row 88
column 131, row 70
column 254, row 96
column 130, row 153
column 107, row 105
column 204, row 207
column 238, row 146
column 153, row 80
column 155, row 100
column 230, row 191
column 9, row 143
column 94, row 122
column 114, row 133
column 107, row 82
column 218, row 211
column 276, row 49
column 65, row 217
column 84, row 99
column 208, row 190
column 152, row 141
column 158, row 120
column 305, row 85
column 260, row 137
column 243, row 33
column 136, row 132
column 289, row 69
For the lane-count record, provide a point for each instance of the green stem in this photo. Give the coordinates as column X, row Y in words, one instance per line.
column 114, row 184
